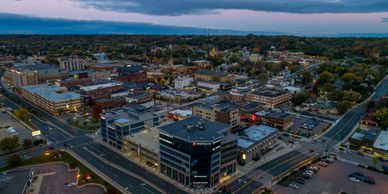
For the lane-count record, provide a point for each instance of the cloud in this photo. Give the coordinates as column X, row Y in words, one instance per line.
column 24, row 24
column 182, row 7
column 384, row 19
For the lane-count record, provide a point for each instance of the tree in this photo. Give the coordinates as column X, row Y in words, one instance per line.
column 27, row 143
column 351, row 96
column 14, row 160
column 376, row 160
column 299, row 98
column 350, row 77
column 325, row 77
column 343, row 106
column 382, row 116
column 22, row 114
column 307, row 77
column 9, row 143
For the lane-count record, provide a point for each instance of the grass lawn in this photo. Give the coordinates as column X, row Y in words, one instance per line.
column 59, row 156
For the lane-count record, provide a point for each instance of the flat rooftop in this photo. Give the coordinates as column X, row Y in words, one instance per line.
column 52, row 92
column 148, row 138
column 279, row 115
column 382, row 141
column 255, row 134
column 133, row 113
column 222, row 106
column 270, row 93
column 213, row 73
column 196, row 129
column 99, row 86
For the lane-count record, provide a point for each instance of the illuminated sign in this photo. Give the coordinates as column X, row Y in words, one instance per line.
column 36, row 133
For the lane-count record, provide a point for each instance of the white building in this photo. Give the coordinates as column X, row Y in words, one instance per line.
column 71, row 63
column 100, row 57
column 182, row 82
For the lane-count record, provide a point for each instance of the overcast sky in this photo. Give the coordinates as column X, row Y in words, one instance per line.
column 306, row 17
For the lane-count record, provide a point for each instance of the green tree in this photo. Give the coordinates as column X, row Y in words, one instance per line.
column 22, row 114
column 307, row 77
column 343, row 106
column 9, row 143
column 14, row 160
column 351, row 96
column 382, row 116
column 350, row 77
column 325, row 77
column 299, row 98
column 376, row 160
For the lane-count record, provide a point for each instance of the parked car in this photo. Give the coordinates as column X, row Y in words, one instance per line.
column 323, row 164
column 73, row 184
column 300, row 180
column 369, row 180
column 294, row 185
column 354, row 179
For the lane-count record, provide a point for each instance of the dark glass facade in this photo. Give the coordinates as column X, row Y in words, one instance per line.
column 195, row 164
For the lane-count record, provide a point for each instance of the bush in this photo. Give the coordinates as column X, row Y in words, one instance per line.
column 14, row 160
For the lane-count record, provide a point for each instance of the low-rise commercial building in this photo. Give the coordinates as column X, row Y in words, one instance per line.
column 51, row 98
column 216, row 76
column 143, row 146
column 197, row 152
column 100, row 90
column 270, row 98
column 256, row 141
column 131, row 73
column 182, row 82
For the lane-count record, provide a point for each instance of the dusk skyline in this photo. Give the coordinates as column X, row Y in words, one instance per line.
column 306, row 17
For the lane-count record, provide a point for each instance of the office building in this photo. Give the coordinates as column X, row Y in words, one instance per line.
column 51, row 98
column 194, row 150
column 120, row 122
column 270, row 98
column 20, row 78
column 71, row 63
column 223, row 111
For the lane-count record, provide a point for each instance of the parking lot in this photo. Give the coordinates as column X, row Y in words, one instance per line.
column 7, row 121
column 307, row 127
column 334, row 178
column 55, row 178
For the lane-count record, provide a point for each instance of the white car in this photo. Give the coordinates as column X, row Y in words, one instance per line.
column 295, row 186
column 73, row 184
column 354, row 179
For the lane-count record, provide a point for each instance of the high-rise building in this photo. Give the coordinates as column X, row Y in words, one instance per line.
column 71, row 63
column 197, row 152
